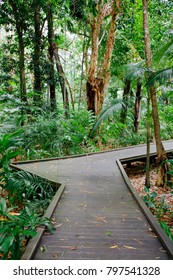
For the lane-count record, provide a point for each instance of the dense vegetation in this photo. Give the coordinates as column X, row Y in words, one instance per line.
column 77, row 77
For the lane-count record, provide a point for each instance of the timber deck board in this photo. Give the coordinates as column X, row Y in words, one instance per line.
column 97, row 216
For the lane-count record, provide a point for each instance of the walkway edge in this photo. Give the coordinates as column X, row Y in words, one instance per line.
column 33, row 243
column 166, row 242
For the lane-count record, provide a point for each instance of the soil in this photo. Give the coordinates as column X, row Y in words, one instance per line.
column 163, row 197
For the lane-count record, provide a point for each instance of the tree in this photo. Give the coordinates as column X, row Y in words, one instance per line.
column 37, row 53
column 52, row 87
column 19, row 11
column 98, row 74
column 161, row 154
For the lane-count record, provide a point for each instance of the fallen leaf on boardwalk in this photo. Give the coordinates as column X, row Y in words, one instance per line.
column 129, row 247
column 137, row 241
column 100, row 218
column 73, row 248
column 55, row 255
column 162, row 250
column 58, row 225
column 152, row 235
column 114, row 247
column 91, row 192
column 43, row 248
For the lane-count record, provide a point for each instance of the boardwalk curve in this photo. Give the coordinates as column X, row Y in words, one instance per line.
column 97, row 216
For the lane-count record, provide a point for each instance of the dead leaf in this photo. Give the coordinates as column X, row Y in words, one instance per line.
column 73, row 248
column 129, row 247
column 58, row 225
column 114, row 247
column 137, row 241
column 100, row 218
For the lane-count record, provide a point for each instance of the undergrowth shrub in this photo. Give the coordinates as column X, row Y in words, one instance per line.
column 20, row 207
column 53, row 134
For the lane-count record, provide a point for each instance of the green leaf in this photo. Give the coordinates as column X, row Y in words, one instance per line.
column 153, row 194
column 161, row 77
column 29, row 233
column 104, row 115
column 146, row 189
column 8, row 241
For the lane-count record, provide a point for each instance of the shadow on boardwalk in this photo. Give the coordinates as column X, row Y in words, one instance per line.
column 97, row 217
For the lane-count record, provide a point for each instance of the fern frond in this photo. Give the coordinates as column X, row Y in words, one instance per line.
column 104, row 115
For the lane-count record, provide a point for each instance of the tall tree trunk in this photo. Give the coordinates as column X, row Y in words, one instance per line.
column 37, row 53
column 21, row 47
column 82, row 70
column 147, row 178
column 161, row 154
column 22, row 67
column 137, row 106
column 98, row 76
column 51, row 58
column 62, row 79
column 125, row 101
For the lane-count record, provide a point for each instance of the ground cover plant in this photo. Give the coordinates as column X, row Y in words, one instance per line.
column 23, row 200
column 158, row 200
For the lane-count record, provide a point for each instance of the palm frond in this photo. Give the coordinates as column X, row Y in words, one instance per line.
column 135, row 70
column 104, row 115
column 162, row 52
column 161, row 77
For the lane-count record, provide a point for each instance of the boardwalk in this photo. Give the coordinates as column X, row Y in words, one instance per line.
column 97, row 217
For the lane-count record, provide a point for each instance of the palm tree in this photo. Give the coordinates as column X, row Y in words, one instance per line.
column 161, row 153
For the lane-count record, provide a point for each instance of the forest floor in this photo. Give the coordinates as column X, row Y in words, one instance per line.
column 159, row 200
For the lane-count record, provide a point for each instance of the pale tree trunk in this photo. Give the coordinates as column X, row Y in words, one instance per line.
column 161, row 154
column 62, row 79
column 99, row 75
column 83, row 64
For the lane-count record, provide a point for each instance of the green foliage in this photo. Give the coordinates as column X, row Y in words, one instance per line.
column 23, row 186
column 55, row 135
column 159, row 209
column 29, row 193
column 14, row 229
column 170, row 173
column 161, row 77
column 167, row 230
column 104, row 115
column 149, row 199
column 9, row 144
column 134, row 71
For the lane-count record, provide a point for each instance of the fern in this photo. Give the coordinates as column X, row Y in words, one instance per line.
column 104, row 115
column 23, row 185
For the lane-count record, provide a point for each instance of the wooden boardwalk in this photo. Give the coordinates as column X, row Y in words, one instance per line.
column 97, row 216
